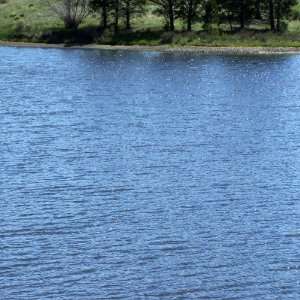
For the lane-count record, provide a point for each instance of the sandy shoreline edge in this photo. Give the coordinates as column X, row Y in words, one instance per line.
column 196, row 49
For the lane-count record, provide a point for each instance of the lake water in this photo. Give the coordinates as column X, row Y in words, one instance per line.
column 145, row 175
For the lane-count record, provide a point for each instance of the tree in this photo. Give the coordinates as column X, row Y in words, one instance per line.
column 108, row 8
column 71, row 12
column 104, row 6
column 278, row 11
column 282, row 10
column 129, row 8
column 258, row 9
column 118, row 9
column 211, row 14
column 271, row 15
column 188, row 11
column 116, row 5
column 242, row 13
column 167, row 8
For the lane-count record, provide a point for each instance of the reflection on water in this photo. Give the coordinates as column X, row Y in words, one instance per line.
column 141, row 175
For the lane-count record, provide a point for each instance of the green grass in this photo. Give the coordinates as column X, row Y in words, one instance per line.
column 33, row 21
column 25, row 17
column 154, row 38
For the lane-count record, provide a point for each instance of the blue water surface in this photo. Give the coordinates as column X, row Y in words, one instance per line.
column 147, row 175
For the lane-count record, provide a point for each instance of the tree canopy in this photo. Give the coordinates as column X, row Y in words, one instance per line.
column 238, row 14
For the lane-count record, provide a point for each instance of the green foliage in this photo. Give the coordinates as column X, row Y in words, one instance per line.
column 215, row 23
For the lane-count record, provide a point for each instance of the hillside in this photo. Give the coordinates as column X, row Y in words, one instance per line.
column 33, row 21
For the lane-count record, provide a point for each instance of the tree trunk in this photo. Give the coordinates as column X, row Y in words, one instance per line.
column 116, row 23
column 271, row 15
column 242, row 14
column 278, row 16
column 257, row 10
column 128, row 23
column 104, row 14
column 171, row 15
column 230, row 22
column 71, row 24
column 190, row 15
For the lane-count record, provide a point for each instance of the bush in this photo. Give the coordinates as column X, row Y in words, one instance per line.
column 167, row 37
column 283, row 26
column 295, row 15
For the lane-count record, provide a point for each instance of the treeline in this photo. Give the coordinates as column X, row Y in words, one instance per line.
column 212, row 13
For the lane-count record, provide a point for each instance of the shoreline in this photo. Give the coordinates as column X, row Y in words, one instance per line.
column 163, row 48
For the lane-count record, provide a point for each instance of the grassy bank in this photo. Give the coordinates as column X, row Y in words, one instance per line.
column 32, row 21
